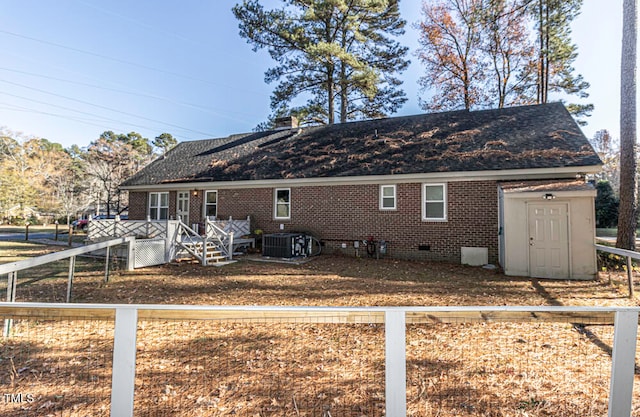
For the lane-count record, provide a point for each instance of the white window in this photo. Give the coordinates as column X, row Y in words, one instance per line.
column 159, row 206
column 434, row 202
column 387, row 197
column 282, row 203
column 211, row 204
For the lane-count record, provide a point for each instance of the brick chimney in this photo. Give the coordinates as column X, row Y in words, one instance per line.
column 287, row 122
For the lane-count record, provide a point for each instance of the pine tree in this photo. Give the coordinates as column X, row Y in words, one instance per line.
column 628, row 209
column 556, row 53
column 339, row 55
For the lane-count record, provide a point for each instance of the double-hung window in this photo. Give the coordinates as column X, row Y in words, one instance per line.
column 434, row 202
column 211, row 204
column 388, row 197
column 282, row 203
column 159, row 206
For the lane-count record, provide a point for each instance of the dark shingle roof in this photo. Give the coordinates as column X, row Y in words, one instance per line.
column 527, row 137
column 546, row 186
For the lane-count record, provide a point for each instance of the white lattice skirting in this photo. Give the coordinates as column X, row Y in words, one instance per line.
column 149, row 252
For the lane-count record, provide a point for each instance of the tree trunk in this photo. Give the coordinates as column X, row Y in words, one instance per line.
column 330, row 96
column 627, row 217
column 541, row 27
column 344, row 93
column 545, row 88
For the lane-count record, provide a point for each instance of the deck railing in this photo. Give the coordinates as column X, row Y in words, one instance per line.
column 222, row 233
column 110, row 228
column 220, row 237
column 142, row 338
column 151, row 229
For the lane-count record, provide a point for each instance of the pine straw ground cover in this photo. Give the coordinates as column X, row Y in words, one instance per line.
column 257, row 368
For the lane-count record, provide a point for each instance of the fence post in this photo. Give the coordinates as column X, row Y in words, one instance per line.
column 106, row 265
column 623, row 364
column 630, row 276
column 204, row 246
column 72, row 268
column 12, row 281
column 131, row 255
column 123, row 374
column 26, row 231
column 167, row 242
column 395, row 363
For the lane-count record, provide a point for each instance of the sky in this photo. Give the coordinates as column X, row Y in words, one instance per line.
column 72, row 69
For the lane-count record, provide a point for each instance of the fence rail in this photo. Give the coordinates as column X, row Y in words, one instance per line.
column 58, row 256
column 629, row 255
column 133, row 334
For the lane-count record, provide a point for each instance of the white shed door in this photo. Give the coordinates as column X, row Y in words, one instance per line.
column 548, row 241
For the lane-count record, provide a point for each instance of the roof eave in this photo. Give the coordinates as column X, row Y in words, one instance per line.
column 497, row 175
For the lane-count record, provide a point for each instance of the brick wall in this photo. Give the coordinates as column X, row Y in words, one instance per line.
column 173, row 202
column 195, row 208
column 346, row 213
column 255, row 202
column 137, row 205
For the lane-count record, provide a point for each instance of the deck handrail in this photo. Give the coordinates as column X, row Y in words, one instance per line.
column 223, row 239
column 184, row 231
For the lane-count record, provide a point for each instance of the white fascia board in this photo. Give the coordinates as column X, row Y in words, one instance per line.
column 497, row 175
column 558, row 194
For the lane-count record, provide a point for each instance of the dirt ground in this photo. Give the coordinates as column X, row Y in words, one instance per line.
column 344, row 281
column 212, row 368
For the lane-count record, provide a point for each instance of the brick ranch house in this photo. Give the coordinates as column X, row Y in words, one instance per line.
column 501, row 186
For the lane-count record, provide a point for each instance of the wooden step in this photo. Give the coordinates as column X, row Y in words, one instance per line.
column 199, row 245
column 213, row 256
column 222, row 263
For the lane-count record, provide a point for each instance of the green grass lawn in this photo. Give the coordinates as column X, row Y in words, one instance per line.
column 36, row 228
column 63, row 231
column 611, row 232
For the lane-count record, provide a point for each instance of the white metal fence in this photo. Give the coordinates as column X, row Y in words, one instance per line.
column 628, row 255
column 11, row 269
column 142, row 335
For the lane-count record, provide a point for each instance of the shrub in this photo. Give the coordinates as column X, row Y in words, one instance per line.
column 606, row 205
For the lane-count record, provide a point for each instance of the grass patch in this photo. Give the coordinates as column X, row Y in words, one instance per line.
column 610, row 232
